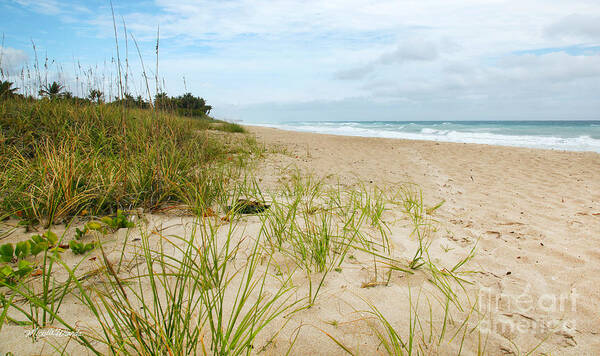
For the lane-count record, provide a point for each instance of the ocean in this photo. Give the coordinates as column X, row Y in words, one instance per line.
column 557, row 135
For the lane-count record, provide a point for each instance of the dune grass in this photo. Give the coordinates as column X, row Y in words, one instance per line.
column 189, row 300
column 230, row 127
column 60, row 159
column 206, row 293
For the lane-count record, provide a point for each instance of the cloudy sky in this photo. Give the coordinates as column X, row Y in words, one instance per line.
column 277, row 60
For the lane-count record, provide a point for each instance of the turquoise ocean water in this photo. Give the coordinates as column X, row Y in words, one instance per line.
column 558, row 135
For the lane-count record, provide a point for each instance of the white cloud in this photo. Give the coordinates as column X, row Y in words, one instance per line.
column 479, row 24
column 12, row 59
column 47, row 7
column 415, row 51
column 575, row 25
column 509, row 73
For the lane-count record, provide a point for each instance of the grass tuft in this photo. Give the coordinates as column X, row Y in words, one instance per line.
column 60, row 159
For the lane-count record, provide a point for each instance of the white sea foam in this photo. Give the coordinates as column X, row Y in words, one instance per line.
column 579, row 143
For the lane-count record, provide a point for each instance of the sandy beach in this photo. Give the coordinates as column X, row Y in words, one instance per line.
column 535, row 213
column 531, row 217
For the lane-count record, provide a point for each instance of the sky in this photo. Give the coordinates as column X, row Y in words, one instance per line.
column 288, row 60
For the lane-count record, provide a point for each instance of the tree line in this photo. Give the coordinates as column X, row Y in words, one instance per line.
column 185, row 105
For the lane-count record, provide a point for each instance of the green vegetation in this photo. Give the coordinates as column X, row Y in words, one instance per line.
column 206, row 292
column 33, row 246
column 60, row 159
column 185, row 105
column 118, row 222
column 79, row 248
column 9, row 275
column 7, row 90
column 231, row 127
column 14, row 257
column 54, row 91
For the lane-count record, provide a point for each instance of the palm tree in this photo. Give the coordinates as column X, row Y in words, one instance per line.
column 52, row 91
column 96, row 95
column 161, row 100
column 140, row 102
column 6, row 89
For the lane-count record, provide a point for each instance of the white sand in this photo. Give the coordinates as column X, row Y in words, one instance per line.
column 536, row 214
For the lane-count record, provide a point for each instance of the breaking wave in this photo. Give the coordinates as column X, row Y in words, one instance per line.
column 551, row 136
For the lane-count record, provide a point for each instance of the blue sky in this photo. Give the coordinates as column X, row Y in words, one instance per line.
column 278, row 60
